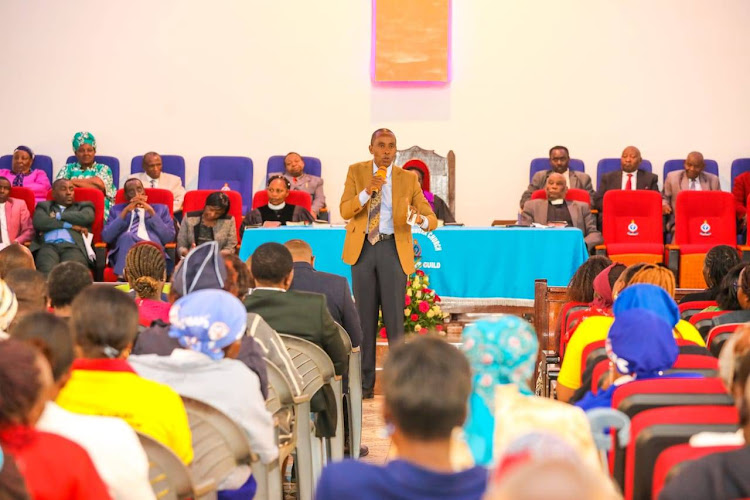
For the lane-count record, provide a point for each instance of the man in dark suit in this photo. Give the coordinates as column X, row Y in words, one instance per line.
column 134, row 221
column 60, row 225
column 334, row 287
column 559, row 160
column 629, row 176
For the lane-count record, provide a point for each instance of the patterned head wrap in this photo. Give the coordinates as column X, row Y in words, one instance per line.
column 82, row 138
column 501, row 350
column 207, row 321
column 26, row 149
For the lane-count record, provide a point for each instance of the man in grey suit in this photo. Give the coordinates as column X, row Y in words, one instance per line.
column 334, row 287
column 60, row 225
column 556, row 209
column 693, row 178
column 627, row 178
column 301, row 181
column 559, row 158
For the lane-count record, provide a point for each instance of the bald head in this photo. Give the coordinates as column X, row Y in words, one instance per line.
column 694, row 165
column 15, row 256
column 630, row 159
column 300, row 250
column 556, row 186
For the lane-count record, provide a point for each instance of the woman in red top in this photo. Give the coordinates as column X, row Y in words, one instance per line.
column 54, row 467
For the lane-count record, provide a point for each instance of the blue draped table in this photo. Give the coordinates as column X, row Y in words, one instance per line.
column 462, row 262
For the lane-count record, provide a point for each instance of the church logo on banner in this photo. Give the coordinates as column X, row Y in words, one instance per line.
column 632, row 228
column 429, row 255
column 705, row 229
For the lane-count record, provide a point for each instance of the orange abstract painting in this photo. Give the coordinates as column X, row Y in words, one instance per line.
column 411, row 41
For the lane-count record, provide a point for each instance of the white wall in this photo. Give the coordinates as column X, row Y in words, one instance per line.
column 257, row 78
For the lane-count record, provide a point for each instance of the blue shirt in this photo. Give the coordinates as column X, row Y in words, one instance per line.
column 398, row 480
column 59, row 235
column 386, row 200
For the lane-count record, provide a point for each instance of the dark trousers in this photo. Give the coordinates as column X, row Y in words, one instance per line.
column 51, row 254
column 379, row 282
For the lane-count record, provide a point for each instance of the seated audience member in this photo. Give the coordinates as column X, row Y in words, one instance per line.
column 557, row 209
column 134, row 221
column 426, row 384
column 15, row 256
column 581, row 284
column 741, row 190
column 113, row 446
column 18, row 227
column 629, row 177
column 559, row 161
column 640, row 345
column 442, row 212
column 302, row 314
column 30, row 289
column 655, row 294
column 105, row 321
column 204, row 268
column 64, row 283
column 299, row 180
column 718, row 475
column 61, row 225
column 334, row 287
column 86, row 172
column 726, row 298
column 540, row 466
column 8, row 309
column 243, row 280
column 209, row 325
column 12, row 483
column 277, row 209
column 601, row 305
column 717, row 263
column 53, row 467
column 692, row 178
column 213, row 223
column 502, row 352
column 146, row 271
column 743, row 298
column 153, row 177
column 22, row 175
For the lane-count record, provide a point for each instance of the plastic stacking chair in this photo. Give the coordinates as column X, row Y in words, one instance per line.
column 703, row 219
column 671, row 165
column 169, row 477
column 632, row 227
column 703, row 321
column 316, row 369
column 602, row 420
column 280, row 403
column 171, row 164
column 688, row 309
column 672, row 459
column 572, row 195
column 214, row 172
column 275, row 165
column 540, row 164
column 112, row 162
column 718, row 335
column 354, row 394
column 219, row 445
column 41, row 162
column 607, row 165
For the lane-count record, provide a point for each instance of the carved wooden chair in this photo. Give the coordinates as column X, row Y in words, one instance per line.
column 442, row 171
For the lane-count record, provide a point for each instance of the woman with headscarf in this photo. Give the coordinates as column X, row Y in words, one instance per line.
column 640, row 345
column 601, row 305
column 502, row 352
column 21, row 173
column 86, row 172
column 442, row 212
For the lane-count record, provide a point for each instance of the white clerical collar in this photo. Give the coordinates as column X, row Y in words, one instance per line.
column 557, row 202
column 276, row 207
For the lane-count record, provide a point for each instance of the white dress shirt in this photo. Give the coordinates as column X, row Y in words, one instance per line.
column 625, row 179
column 142, row 233
column 165, row 181
column 386, row 202
column 4, row 227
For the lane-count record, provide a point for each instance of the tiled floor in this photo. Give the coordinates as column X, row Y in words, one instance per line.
column 372, row 431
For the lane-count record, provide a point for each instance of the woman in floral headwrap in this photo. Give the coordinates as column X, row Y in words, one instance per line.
column 21, row 174
column 502, row 352
column 85, row 172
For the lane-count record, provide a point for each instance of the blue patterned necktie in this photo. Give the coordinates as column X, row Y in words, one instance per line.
column 373, row 227
column 136, row 221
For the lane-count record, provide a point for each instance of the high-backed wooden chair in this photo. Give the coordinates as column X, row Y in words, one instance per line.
column 442, row 171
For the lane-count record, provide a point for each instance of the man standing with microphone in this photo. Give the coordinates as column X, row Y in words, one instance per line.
column 378, row 199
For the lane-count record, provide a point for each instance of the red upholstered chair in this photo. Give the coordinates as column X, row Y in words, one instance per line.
column 25, row 194
column 654, row 430
column 673, row 458
column 100, row 249
column 196, row 200
column 632, row 227
column 703, row 321
column 703, row 219
column 299, row 198
column 573, row 194
column 688, row 309
column 155, row 196
column 718, row 335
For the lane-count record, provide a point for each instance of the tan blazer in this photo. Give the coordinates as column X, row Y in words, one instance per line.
column 406, row 190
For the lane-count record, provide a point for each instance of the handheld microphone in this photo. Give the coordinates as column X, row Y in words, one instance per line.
column 382, row 173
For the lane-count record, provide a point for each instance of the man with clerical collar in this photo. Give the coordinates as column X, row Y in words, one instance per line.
column 557, row 209
column 559, row 161
column 61, row 225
